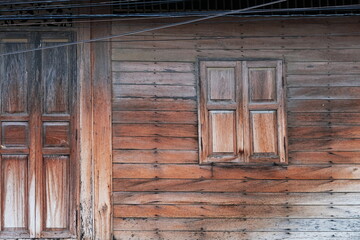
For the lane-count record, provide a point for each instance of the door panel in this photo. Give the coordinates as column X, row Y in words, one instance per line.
column 38, row 169
column 15, row 78
column 14, row 192
column 55, row 74
column 56, row 177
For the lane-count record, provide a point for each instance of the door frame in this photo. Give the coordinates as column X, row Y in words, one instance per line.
column 95, row 131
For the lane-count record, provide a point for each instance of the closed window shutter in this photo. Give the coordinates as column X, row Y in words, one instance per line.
column 264, row 126
column 241, row 112
column 220, row 114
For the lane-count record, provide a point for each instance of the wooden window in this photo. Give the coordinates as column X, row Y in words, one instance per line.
column 38, row 182
column 241, row 112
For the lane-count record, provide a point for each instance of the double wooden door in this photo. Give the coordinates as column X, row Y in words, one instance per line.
column 38, row 137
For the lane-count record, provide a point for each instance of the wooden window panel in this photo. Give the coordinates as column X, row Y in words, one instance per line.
column 264, row 128
column 221, row 137
column 241, row 112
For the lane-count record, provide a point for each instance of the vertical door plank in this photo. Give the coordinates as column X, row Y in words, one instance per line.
column 85, row 132
column 14, row 191
column 102, row 150
column 57, row 193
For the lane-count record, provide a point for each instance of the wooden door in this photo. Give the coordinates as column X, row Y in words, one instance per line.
column 38, row 138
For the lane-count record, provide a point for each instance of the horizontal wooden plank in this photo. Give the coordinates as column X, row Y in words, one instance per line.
column 236, row 198
column 324, row 144
column 154, row 78
column 285, row 235
column 171, row 104
column 239, row 211
column 324, row 132
column 153, row 91
column 152, row 66
column 325, row 80
column 331, row 157
column 237, row 42
column 170, row 143
column 325, row 67
column 154, row 117
column 323, row 119
column 277, row 224
column 273, row 27
column 324, row 93
column 234, row 172
column 147, row 130
column 266, row 186
column 190, row 55
column 328, row 106
column 154, row 156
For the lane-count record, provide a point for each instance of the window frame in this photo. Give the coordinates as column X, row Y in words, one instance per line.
column 243, row 155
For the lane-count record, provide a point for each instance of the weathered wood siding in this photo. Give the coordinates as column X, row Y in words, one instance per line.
column 159, row 189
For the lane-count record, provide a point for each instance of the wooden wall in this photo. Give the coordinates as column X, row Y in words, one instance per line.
column 159, row 189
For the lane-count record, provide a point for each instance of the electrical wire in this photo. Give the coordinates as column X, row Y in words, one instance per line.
column 99, row 4
column 175, row 14
column 42, row 1
column 158, row 2
column 144, row 30
column 243, row 18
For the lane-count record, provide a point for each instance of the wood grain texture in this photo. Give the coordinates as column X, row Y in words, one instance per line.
column 101, row 145
column 264, row 132
column 332, row 157
column 323, row 118
column 137, row 66
column 235, row 198
column 159, row 192
column 221, row 83
column 147, row 130
column 262, row 84
column 163, row 143
column 85, row 220
column 254, row 186
column 235, row 225
column 154, row 117
column 14, row 192
column 165, row 104
column 190, row 171
column 239, row 211
column 160, row 78
column 55, row 73
column 15, row 79
column 222, row 132
column 153, row 91
column 56, row 179
column 155, row 156
column 15, row 134
column 180, row 235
